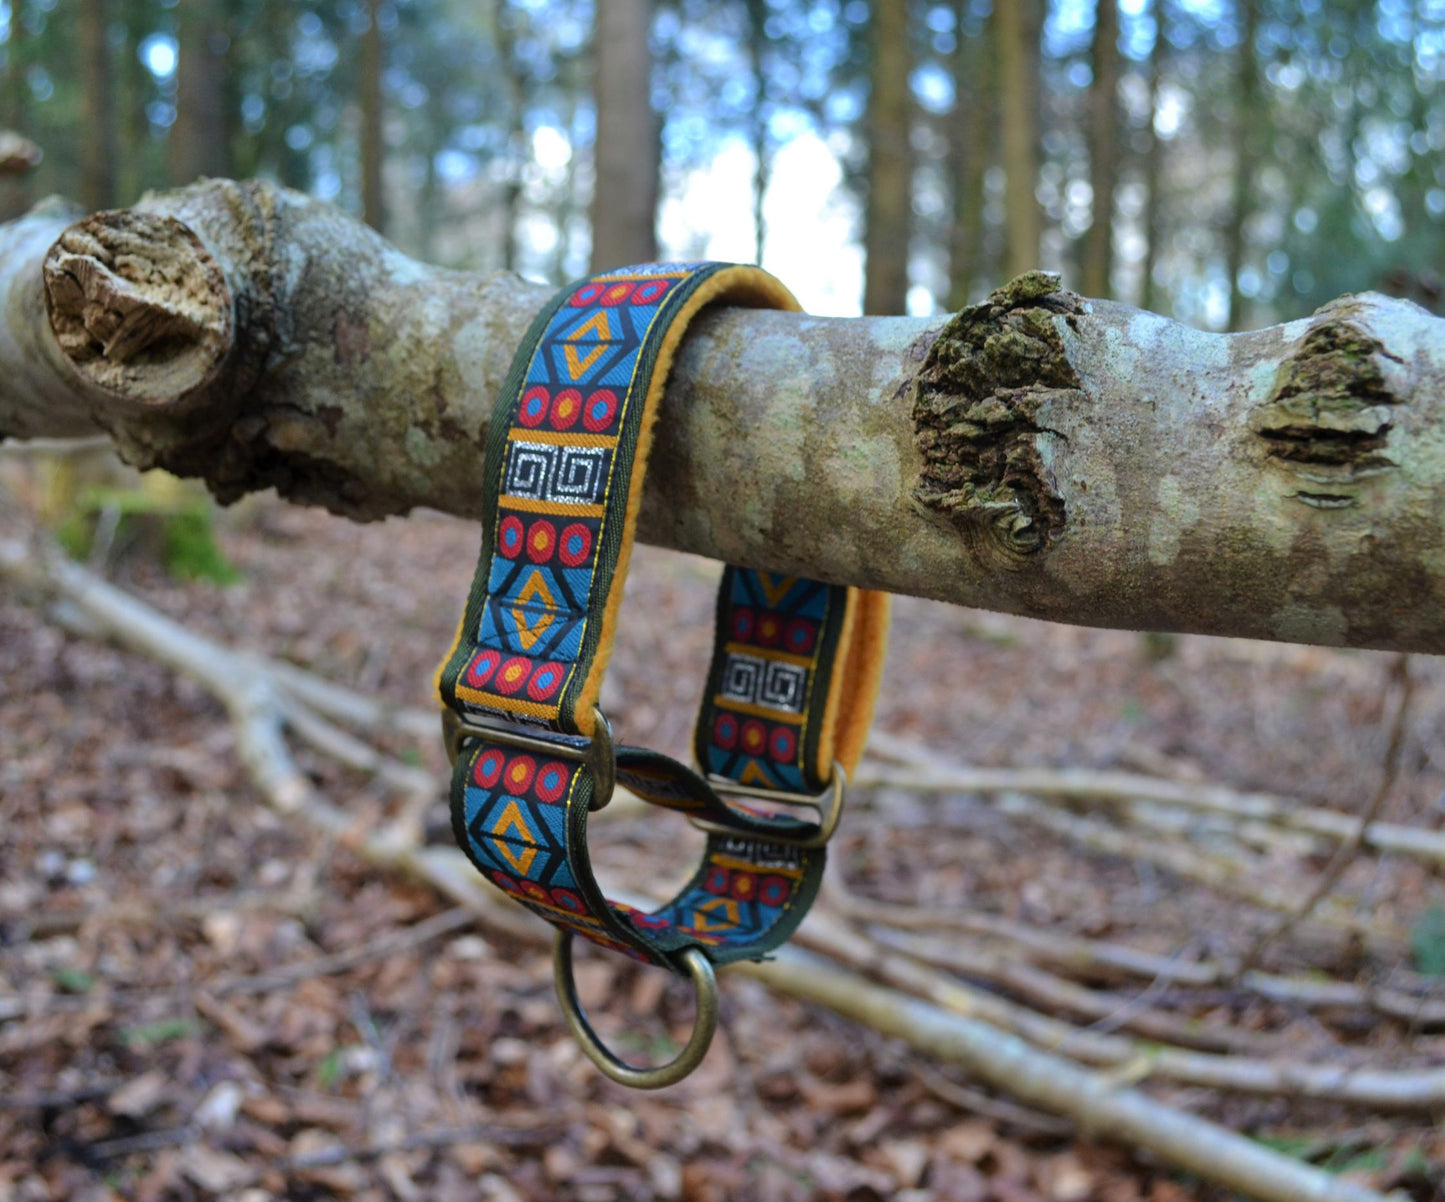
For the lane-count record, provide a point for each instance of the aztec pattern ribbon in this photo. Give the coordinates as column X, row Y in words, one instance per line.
column 794, row 669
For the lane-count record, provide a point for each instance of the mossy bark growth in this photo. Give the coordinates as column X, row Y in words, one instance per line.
column 989, row 375
column 1039, row 453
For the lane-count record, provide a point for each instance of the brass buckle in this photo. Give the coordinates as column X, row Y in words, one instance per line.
column 828, row 803
column 699, row 969
column 597, row 753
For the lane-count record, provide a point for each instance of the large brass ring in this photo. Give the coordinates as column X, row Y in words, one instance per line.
column 699, row 968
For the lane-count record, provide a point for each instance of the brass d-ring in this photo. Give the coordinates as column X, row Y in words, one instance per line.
column 699, row 968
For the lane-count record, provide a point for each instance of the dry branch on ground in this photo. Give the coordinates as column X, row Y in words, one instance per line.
column 959, row 1023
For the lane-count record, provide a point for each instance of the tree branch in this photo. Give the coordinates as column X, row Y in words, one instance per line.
column 1038, row 453
column 955, row 1024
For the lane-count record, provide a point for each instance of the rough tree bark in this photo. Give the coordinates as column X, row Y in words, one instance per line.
column 1038, row 453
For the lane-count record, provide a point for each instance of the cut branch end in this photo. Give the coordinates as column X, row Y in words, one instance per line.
column 139, row 307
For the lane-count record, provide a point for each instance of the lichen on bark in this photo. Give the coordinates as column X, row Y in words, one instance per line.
column 977, row 411
column 1074, row 460
column 1328, row 415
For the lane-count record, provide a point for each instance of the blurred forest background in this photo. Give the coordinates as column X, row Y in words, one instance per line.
column 1228, row 162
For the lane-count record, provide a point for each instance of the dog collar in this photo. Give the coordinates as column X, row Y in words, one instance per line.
column 789, row 693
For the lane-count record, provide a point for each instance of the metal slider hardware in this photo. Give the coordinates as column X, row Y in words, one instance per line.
column 596, row 753
column 828, row 803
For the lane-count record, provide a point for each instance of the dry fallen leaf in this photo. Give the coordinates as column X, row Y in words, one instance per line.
column 141, row 1095
column 215, row 1171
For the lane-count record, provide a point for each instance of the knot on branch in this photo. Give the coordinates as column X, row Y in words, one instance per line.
column 139, row 306
column 1328, row 415
column 978, row 414
column 18, row 154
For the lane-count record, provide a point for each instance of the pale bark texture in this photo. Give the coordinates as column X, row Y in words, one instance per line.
column 373, row 128
column 1103, row 149
column 1015, row 32
column 888, row 217
column 200, row 138
column 628, row 151
column 1038, row 453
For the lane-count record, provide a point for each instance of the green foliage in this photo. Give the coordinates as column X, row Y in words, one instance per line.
column 332, row 1069
column 178, row 530
column 73, row 980
column 1427, row 942
column 150, row 1035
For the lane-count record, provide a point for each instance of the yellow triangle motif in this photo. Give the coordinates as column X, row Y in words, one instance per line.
column 754, row 775
column 529, row 631
column 775, row 588
column 729, row 908
column 512, row 819
column 577, row 365
column 599, row 322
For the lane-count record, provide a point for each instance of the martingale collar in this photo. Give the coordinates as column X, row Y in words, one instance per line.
column 788, row 698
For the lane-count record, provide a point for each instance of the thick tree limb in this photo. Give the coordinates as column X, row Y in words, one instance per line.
column 1039, row 453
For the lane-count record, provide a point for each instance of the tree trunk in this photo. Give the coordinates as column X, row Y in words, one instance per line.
column 504, row 35
column 133, row 82
column 200, row 138
column 970, row 137
column 757, row 16
column 1103, row 149
column 628, row 149
column 373, row 129
column 1247, row 119
column 1015, row 33
column 567, row 195
column 15, row 189
column 1153, row 168
column 889, row 215
column 97, row 142
column 1039, row 453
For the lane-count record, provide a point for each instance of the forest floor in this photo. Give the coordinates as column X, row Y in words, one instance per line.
column 177, row 1032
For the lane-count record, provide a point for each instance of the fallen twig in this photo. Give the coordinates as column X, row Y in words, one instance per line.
column 1127, row 788
column 1349, row 849
column 1230, row 878
column 1378, row 1089
column 1001, row 1109
column 1226, row 876
column 1034, row 1076
column 1401, row 994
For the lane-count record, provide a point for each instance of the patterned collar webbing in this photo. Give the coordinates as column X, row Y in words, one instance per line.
column 795, row 662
